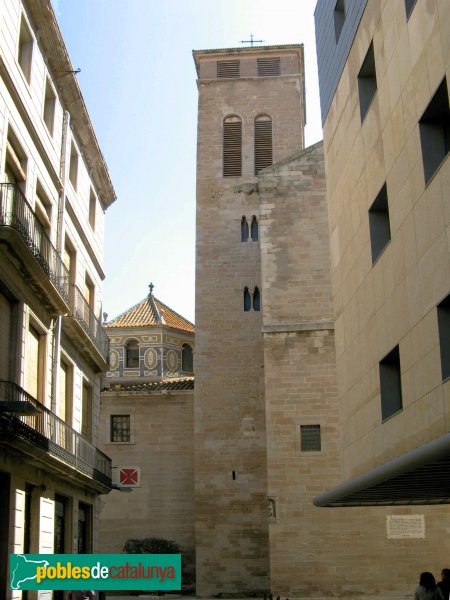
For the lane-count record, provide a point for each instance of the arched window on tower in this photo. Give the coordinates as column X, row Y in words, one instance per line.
column 263, row 142
column 232, row 147
column 247, row 300
column 132, row 354
column 244, row 229
column 187, row 362
column 256, row 299
column 254, row 229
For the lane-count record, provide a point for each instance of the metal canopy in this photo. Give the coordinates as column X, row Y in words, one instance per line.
column 421, row 476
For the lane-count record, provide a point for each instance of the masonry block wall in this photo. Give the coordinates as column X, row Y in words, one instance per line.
column 230, row 437
column 161, row 447
column 314, row 552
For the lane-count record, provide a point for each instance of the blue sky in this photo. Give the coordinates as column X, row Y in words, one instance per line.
column 139, row 84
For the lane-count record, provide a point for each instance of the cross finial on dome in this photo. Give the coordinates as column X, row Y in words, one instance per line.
column 150, row 287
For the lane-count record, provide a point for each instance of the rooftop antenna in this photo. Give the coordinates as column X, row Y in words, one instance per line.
column 251, row 41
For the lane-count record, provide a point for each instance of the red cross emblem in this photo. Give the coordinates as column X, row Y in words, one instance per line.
column 129, row 476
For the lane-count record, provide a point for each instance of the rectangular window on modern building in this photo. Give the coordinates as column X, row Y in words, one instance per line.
column 367, row 82
column 390, row 384
column 310, row 439
column 379, row 224
column 228, row 69
column 409, row 5
column 120, row 428
column 434, row 127
column 443, row 314
column 339, row 18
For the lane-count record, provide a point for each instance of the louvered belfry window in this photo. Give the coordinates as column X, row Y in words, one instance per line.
column 268, row 67
column 263, row 143
column 232, row 147
column 227, row 69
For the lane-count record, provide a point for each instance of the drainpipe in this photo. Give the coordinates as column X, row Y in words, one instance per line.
column 60, row 249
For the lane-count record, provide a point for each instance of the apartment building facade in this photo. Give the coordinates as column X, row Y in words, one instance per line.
column 54, row 191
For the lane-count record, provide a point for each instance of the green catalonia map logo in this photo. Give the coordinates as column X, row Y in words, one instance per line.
column 95, row 571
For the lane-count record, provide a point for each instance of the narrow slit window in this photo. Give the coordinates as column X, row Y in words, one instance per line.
column 434, row 128
column 247, row 300
column 254, row 229
column 379, row 224
column 269, row 67
column 232, row 147
column 263, row 143
column 390, row 384
column 256, row 299
column 244, row 229
column 228, row 69
column 443, row 313
column 367, row 82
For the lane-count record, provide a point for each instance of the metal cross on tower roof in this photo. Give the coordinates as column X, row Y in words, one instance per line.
column 251, row 41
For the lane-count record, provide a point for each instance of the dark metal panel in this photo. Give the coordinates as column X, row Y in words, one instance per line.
column 332, row 56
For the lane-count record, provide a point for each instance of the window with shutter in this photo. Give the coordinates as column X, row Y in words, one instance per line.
column 32, row 362
column 268, row 67
column 227, row 69
column 86, row 413
column 5, row 334
column 232, row 147
column 263, row 143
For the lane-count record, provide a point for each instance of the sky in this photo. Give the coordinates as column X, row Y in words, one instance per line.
column 139, row 84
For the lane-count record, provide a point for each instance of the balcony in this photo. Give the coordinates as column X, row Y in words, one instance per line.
column 46, row 439
column 82, row 325
column 31, row 252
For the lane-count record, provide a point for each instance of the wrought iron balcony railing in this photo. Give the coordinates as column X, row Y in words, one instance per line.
column 17, row 214
column 83, row 313
column 51, row 434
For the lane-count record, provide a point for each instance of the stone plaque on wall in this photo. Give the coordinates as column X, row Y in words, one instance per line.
column 400, row 527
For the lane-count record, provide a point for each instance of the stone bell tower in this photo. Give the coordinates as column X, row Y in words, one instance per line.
column 251, row 114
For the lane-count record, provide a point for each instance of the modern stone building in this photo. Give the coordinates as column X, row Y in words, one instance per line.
column 53, row 350
column 384, row 71
column 147, row 427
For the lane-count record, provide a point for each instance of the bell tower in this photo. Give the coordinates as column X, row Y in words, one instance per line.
column 251, row 114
